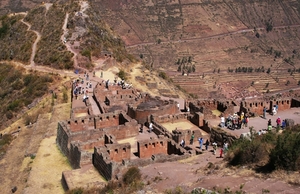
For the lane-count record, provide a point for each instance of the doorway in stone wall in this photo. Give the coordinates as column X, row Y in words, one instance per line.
column 270, row 107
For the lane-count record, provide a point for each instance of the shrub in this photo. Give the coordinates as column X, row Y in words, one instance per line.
column 163, row 75
column 122, row 74
column 286, row 154
column 132, row 175
column 244, row 151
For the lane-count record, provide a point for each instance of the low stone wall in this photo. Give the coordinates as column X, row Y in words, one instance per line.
column 220, row 136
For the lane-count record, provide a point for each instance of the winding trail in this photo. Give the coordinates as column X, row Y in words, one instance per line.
column 68, row 45
column 34, row 45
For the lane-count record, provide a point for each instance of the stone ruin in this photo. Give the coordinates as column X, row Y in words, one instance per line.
column 113, row 140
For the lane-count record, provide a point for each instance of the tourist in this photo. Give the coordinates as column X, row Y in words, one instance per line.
column 269, row 125
column 107, row 83
column 192, row 138
column 225, row 147
column 221, row 153
column 206, row 144
column 259, row 132
column 274, row 111
column 283, row 124
column 264, row 112
column 278, row 122
column 141, row 128
column 222, row 121
column 214, row 147
column 150, row 127
column 200, row 143
column 182, row 143
column 246, row 121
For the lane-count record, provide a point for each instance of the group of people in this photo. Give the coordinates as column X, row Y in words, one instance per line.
column 235, row 121
column 80, row 89
column 279, row 124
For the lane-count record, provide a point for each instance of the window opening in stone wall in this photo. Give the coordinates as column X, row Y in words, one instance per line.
column 107, row 117
column 153, row 145
column 161, row 143
column 255, row 104
column 261, row 104
column 288, row 102
column 146, row 145
column 116, row 151
column 250, row 104
column 82, row 121
column 282, row 102
column 124, row 150
column 76, row 121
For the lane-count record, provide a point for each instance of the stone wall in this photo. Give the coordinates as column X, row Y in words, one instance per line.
column 62, row 139
column 175, row 148
column 123, row 131
column 142, row 111
column 147, row 148
column 197, row 119
column 80, row 110
column 75, row 155
column 255, row 107
column 106, row 167
column 118, row 152
column 220, row 136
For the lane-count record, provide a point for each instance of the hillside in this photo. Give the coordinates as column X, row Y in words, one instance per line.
column 232, row 49
column 212, row 40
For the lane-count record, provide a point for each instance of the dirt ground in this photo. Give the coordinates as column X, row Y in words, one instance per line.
column 210, row 172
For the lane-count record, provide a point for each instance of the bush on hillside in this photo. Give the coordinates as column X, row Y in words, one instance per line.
column 132, row 175
column 245, row 151
column 286, row 154
column 274, row 151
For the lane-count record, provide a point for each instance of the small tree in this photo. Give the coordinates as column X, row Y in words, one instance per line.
column 122, row 74
column 132, row 175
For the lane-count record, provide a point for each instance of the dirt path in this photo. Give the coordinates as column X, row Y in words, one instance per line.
column 68, row 45
column 209, row 37
column 38, row 38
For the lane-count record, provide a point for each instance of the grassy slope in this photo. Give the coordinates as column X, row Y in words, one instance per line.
column 19, row 89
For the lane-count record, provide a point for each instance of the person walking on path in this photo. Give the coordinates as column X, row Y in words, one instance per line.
column 150, row 127
column 225, row 147
column 264, row 112
column 278, row 122
column 221, row 153
column 200, row 143
column 192, row 138
column 214, row 147
column 246, row 121
column 182, row 143
column 269, row 125
column 206, row 144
